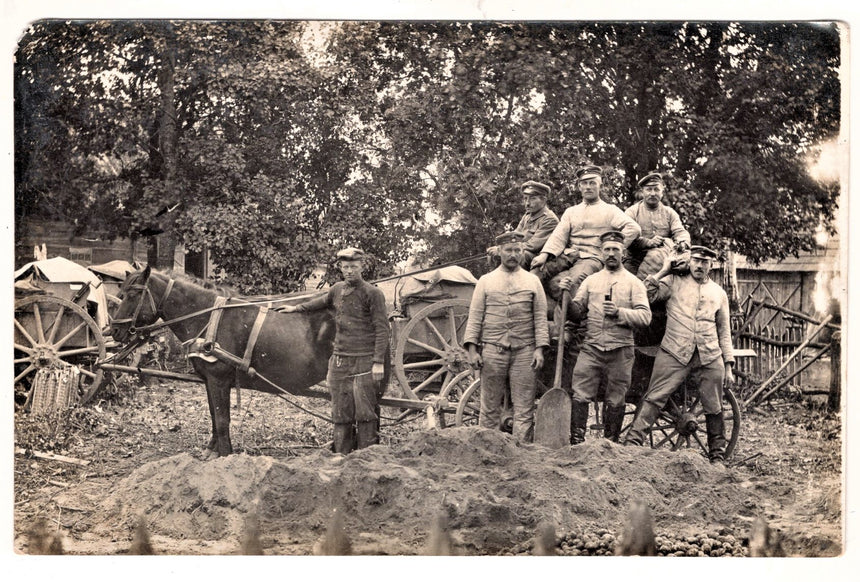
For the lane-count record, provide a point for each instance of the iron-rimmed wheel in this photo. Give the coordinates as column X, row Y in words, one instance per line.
column 681, row 423
column 52, row 332
column 469, row 406
column 429, row 352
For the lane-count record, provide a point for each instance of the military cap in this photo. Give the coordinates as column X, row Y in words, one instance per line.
column 588, row 172
column 612, row 235
column 510, row 237
column 350, row 254
column 532, row 187
column 701, row 252
column 651, row 178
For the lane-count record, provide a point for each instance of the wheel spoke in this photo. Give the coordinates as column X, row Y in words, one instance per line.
column 78, row 351
column 452, row 321
column 24, row 333
column 698, row 440
column 26, row 371
column 55, row 325
column 430, row 379
column 447, row 379
column 86, row 372
column 424, row 364
column 424, row 346
column 69, row 335
column 37, row 314
column 24, row 349
column 436, row 332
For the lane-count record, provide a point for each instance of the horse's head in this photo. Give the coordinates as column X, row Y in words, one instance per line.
column 137, row 307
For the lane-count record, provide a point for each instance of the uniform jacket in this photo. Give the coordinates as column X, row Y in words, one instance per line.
column 629, row 294
column 537, row 228
column 663, row 221
column 361, row 319
column 697, row 318
column 508, row 310
column 581, row 225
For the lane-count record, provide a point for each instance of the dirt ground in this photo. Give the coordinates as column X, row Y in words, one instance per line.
column 143, row 447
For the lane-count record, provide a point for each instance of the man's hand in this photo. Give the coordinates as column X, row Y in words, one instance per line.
column 730, row 375
column 286, row 309
column 475, row 359
column 565, row 283
column 572, row 254
column 537, row 359
column 539, row 261
column 655, row 241
column 377, row 372
column 493, row 251
column 610, row 309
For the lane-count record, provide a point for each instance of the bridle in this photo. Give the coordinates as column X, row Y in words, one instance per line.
column 146, row 294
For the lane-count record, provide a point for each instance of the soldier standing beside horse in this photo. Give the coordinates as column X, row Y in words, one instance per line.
column 359, row 363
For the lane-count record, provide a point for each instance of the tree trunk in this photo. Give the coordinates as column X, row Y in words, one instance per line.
column 835, row 399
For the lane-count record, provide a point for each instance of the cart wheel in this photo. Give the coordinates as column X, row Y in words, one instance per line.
column 681, row 424
column 52, row 332
column 429, row 352
column 469, row 406
column 454, row 392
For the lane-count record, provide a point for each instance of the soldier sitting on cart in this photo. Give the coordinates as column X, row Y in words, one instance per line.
column 697, row 341
column 537, row 223
column 662, row 231
column 573, row 248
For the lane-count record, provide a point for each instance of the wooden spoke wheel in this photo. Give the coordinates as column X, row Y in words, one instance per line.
column 52, row 332
column 681, row 423
column 469, row 408
column 429, row 352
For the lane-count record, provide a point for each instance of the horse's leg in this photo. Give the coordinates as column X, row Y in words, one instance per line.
column 210, row 447
column 219, row 389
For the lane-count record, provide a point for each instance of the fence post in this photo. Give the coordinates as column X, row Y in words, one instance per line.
column 835, row 397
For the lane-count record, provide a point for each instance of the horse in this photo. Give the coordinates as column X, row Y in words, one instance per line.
column 289, row 351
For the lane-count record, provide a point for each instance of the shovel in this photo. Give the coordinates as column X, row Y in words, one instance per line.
column 552, row 419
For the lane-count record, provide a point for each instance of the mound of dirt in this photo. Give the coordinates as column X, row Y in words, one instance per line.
column 493, row 491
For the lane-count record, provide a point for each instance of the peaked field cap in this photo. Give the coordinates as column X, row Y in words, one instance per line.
column 350, row 254
column 613, row 236
column 701, row 252
column 588, row 171
column 651, row 178
column 532, row 187
column 510, row 237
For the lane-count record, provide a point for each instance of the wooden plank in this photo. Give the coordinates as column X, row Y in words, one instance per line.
column 52, row 457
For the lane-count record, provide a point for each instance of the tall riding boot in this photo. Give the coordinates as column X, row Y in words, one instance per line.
column 613, row 418
column 367, row 434
column 344, row 438
column 716, row 428
column 646, row 416
column 578, row 421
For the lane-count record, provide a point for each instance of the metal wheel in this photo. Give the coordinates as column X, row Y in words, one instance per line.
column 681, row 424
column 429, row 352
column 52, row 332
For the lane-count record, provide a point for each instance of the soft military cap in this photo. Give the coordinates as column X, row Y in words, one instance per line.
column 350, row 254
column 652, row 178
column 613, row 236
column 532, row 187
column 510, row 237
column 701, row 252
column 586, row 172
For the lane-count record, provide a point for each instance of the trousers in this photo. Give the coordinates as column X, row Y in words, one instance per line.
column 502, row 367
column 669, row 373
column 593, row 364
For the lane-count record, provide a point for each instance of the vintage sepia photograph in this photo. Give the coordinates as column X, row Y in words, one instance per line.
column 439, row 287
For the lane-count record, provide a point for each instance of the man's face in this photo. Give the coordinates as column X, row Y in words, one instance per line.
column 533, row 202
column 511, row 255
column 699, row 268
column 612, row 252
column 590, row 188
column 351, row 270
column 652, row 194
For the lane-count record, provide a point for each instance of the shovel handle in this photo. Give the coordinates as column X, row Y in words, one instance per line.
column 559, row 358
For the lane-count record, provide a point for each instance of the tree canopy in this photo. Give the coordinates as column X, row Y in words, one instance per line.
column 274, row 143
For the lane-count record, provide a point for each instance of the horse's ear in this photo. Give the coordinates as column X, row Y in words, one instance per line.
column 146, row 273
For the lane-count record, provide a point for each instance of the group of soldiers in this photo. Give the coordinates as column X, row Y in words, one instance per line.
column 614, row 265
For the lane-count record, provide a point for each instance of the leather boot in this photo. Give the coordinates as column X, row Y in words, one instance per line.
column 344, row 438
column 716, row 428
column 613, row 418
column 578, row 421
column 367, row 434
column 646, row 416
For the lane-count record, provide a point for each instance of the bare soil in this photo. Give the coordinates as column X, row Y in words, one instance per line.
column 143, row 446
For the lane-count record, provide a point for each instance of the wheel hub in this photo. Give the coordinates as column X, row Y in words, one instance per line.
column 45, row 356
column 687, row 424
